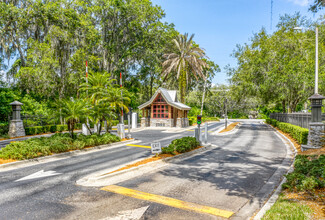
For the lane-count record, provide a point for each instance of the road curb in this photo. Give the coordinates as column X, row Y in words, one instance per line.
column 50, row 158
column 103, row 179
column 274, row 196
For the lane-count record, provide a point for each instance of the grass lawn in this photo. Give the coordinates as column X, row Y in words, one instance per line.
column 285, row 208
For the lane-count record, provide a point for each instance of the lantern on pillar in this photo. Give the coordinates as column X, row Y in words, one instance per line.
column 316, row 107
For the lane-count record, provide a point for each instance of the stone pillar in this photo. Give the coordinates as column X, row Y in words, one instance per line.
column 316, row 138
column 143, row 122
column 316, row 133
column 16, row 127
column 179, row 122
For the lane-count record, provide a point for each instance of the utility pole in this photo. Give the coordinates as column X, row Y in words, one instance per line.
column 226, row 113
column 203, row 96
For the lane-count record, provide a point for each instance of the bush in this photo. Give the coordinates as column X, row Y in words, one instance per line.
column 61, row 128
column 191, row 120
column 4, row 128
column 53, row 128
column 181, row 145
column 308, row 174
column 78, row 126
column 57, row 143
column 298, row 133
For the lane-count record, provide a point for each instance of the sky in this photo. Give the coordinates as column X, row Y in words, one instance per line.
column 219, row 25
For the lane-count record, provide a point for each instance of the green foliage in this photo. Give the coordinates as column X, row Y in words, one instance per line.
column 6, row 97
column 60, row 142
column 61, row 128
column 277, row 68
column 309, row 174
column 4, row 128
column 181, row 145
column 298, row 133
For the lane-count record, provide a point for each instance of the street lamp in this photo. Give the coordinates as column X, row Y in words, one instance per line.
column 316, row 127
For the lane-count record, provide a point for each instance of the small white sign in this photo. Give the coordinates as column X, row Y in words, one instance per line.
column 155, row 148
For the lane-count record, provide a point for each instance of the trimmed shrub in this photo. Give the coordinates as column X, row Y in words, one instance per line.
column 298, row 133
column 181, row 145
column 52, row 128
column 61, row 128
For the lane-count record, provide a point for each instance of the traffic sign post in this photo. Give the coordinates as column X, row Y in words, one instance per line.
column 155, row 148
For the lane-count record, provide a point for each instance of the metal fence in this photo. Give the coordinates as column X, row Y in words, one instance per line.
column 33, row 120
column 299, row 119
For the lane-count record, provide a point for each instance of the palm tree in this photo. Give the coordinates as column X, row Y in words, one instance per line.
column 73, row 111
column 104, row 98
column 184, row 61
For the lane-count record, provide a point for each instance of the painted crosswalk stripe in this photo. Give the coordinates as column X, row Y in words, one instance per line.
column 168, row 201
column 134, row 145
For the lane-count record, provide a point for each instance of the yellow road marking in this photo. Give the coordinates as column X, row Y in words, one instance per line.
column 115, row 129
column 168, row 201
column 134, row 145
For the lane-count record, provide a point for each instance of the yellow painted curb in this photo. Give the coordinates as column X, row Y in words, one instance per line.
column 134, row 145
column 168, row 201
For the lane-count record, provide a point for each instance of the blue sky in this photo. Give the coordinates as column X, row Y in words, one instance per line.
column 219, row 25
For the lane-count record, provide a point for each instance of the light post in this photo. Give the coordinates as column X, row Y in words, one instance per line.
column 316, row 126
column 226, row 116
column 128, row 136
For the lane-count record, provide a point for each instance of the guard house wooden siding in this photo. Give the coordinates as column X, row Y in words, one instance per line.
column 164, row 110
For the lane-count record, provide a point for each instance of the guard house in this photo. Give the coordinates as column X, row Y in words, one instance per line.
column 164, row 110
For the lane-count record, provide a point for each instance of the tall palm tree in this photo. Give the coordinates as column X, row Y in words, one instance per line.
column 187, row 59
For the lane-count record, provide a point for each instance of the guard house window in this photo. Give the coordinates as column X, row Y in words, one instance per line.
column 160, row 108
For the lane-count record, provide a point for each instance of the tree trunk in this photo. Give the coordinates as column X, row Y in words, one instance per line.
column 284, row 106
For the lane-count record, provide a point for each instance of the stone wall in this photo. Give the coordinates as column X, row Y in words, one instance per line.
column 144, row 122
column 161, row 122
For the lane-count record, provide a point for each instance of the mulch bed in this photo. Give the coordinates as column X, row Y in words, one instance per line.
column 230, row 127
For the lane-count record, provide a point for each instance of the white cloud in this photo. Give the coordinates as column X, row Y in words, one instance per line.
column 300, row 2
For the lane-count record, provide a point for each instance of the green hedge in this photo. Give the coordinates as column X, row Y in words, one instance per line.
column 181, row 145
column 298, row 133
column 60, row 142
column 45, row 129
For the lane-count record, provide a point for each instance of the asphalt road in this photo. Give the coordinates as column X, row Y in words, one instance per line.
column 235, row 177
column 56, row 196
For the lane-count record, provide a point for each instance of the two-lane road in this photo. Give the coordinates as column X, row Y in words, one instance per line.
column 229, row 178
column 41, row 191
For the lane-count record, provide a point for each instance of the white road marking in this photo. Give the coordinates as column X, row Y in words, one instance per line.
column 133, row 214
column 39, row 174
